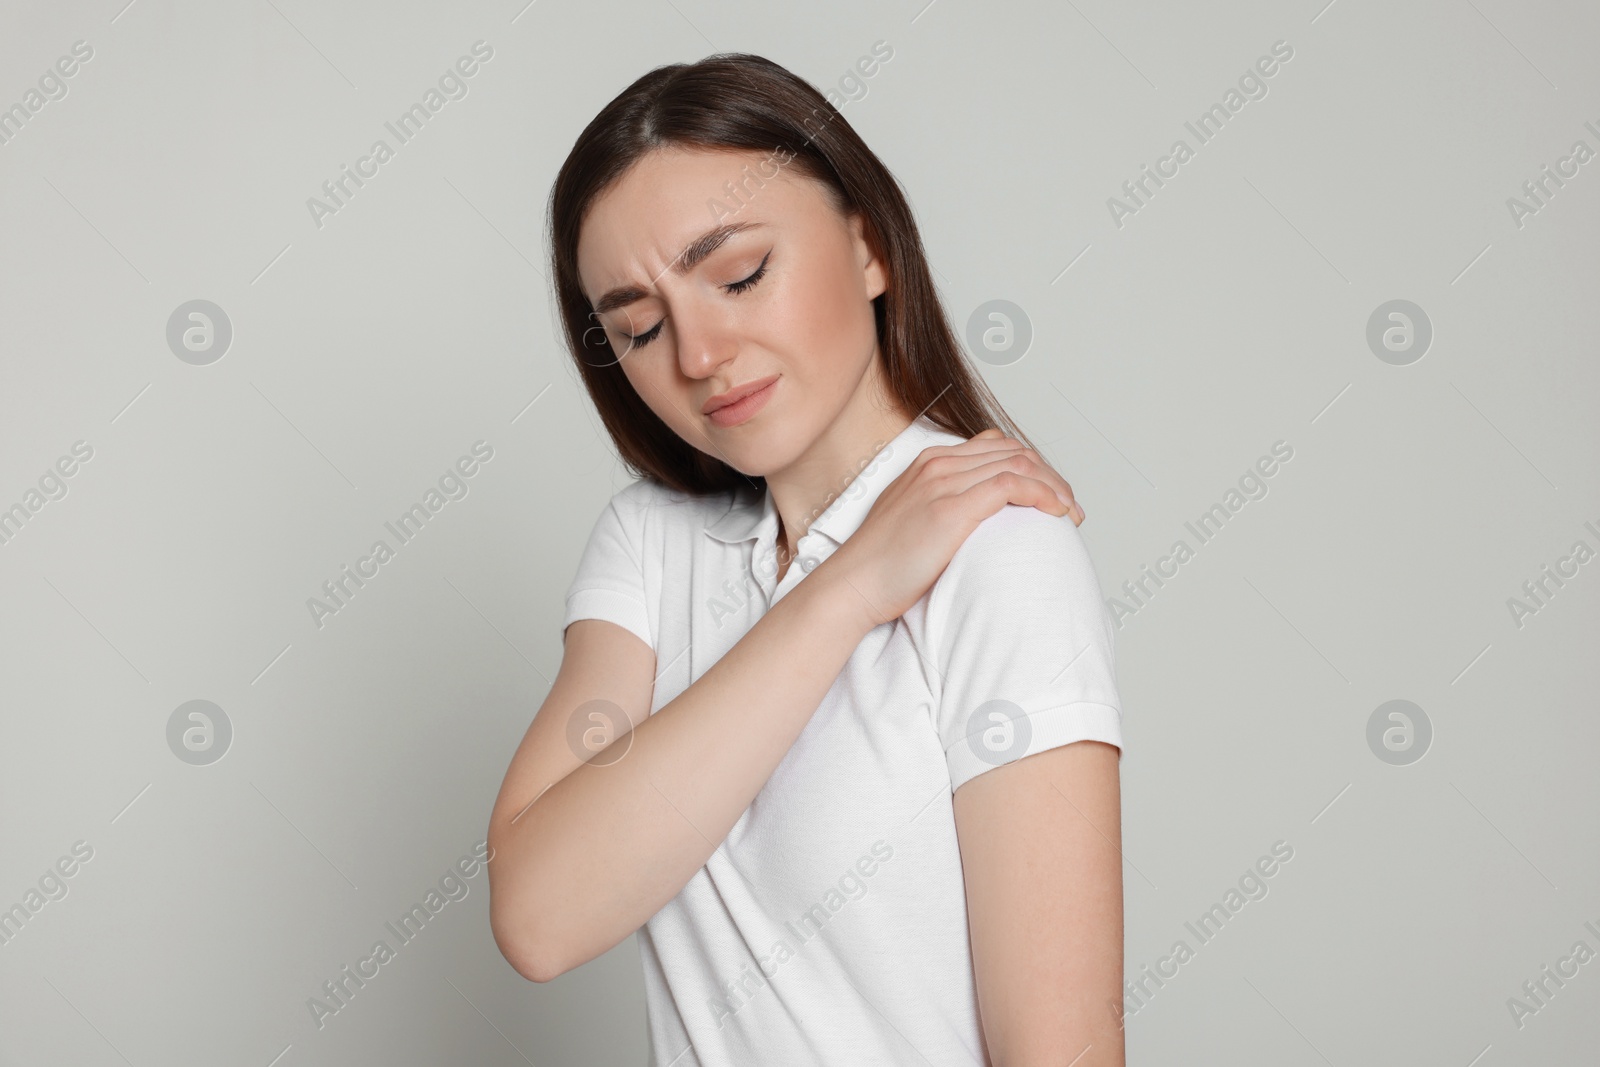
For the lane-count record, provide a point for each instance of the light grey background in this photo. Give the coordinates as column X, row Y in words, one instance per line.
column 1168, row 354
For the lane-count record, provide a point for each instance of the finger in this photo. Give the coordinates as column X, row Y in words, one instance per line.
column 987, row 464
column 1039, row 493
column 1063, row 489
column 989, row 495
column 993, row 440
column 1051, row 476
column 976, row 446
column 984, row 440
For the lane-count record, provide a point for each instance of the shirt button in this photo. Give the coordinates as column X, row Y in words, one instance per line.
column 808, row 564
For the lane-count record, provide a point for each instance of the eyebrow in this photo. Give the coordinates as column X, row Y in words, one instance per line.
column 687, row 260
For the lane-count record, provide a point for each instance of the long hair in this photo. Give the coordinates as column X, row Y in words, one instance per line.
column 740, row 101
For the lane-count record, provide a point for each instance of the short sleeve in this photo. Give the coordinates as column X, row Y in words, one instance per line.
column 1023, row 643
column 610, row 580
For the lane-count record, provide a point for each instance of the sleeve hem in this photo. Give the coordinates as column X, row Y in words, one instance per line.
column 1049, row 728
column 614, row 607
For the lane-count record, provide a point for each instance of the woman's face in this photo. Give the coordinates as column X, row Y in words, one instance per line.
column 787, row 297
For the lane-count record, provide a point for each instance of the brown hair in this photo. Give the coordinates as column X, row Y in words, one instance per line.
column 737, row 101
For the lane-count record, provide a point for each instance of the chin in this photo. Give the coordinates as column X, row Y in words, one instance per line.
column 752, row 462
column 761, row 452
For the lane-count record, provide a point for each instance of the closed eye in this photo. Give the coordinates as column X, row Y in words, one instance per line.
column 761, row 272
column 644, row 338
column 746, row 284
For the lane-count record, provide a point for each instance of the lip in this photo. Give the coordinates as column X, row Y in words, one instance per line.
column 749, row 399
column 736, row 394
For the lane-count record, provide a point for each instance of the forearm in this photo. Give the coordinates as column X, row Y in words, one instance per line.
column 604, row 848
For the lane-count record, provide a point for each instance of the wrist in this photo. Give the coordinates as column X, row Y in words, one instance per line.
column 849, row 598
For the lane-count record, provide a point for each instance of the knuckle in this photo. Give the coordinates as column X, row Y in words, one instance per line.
column 940, row 510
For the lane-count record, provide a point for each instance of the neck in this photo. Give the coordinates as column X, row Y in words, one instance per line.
column 803, row 490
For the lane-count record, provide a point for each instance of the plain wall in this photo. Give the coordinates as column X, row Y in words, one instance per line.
column 1171, row 349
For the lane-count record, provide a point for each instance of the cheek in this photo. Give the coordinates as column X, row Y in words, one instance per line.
column 642, row 376
column 830, row 320
column 655, row 380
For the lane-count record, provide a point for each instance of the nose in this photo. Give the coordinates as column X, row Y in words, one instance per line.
column 705, row 342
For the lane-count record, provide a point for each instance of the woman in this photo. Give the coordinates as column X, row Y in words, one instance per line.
column 864, row 808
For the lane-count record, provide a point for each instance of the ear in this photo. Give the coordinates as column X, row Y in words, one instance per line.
column 874, row 271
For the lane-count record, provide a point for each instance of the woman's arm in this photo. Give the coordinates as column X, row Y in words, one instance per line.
column 1041, row 854
column 609, row 843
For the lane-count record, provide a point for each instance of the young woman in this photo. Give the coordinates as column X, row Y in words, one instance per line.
column 834, row 724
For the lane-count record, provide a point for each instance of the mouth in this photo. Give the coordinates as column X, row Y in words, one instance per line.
column 741, row 402
column 736, row 394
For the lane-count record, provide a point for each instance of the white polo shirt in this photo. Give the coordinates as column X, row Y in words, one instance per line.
column 830, row 927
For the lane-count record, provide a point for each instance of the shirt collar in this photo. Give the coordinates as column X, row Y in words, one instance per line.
column 753, row 517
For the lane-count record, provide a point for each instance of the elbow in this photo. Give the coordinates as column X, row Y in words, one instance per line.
column 523, row 944
column 526, row 952
column 531, row 967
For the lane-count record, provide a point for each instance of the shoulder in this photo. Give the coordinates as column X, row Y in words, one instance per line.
column 631, row 539
column 1022, row 538
column 1018, row 556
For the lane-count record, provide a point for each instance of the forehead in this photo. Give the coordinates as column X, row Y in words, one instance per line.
column 646, row 218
